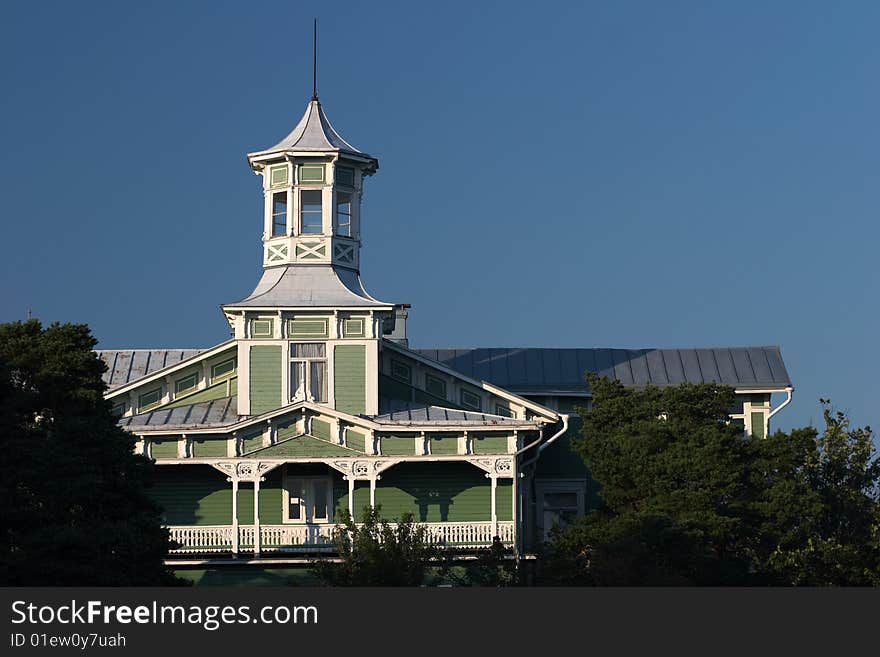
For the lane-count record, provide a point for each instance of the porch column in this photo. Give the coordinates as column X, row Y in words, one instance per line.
column 494, row 479
column 514, row 489
column 373, row 491
column 257, row 517
column 234, row 516
column 351, row 495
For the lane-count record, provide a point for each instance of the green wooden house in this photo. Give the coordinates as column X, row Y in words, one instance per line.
column 317, row 403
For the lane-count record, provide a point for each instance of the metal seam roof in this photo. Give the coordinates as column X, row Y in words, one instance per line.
column 313, row 132
column 724, row 365
column 509, row 367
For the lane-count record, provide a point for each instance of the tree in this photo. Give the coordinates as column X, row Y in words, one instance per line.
column 377, row 553
column 72, row 492
column 686, row 499
column 493, row 566
column 820, row 521
column 670, row 469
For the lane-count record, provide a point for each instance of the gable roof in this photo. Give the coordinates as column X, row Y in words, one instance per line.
column 539, row 370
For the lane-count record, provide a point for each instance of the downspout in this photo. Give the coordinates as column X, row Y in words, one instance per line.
column 531, row 479
column 787, row 401
column 545, row 444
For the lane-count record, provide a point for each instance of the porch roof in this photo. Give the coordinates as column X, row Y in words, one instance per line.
column 217, row 413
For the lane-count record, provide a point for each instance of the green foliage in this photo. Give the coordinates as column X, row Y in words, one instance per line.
column 823, row 520
column 493, row 567
column 687, row 500
column 375, row 553
column 72, row 491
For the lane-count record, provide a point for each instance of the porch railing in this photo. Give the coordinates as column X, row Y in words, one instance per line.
column 319, row 538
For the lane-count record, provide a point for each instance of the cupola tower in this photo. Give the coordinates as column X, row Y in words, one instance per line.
column 310, row 308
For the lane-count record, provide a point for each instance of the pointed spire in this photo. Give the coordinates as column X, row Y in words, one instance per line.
column 315, row 63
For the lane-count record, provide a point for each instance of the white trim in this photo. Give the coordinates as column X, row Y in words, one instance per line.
column 286, row 477
column 545, row 486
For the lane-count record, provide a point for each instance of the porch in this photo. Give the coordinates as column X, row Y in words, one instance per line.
column 293, row 507
column 318, row 538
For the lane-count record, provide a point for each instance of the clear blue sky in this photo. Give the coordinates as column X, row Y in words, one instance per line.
column 602, row 174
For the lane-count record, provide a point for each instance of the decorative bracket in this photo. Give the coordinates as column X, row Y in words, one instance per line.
column 362, row 469
column 495, row 467
column 245, row 470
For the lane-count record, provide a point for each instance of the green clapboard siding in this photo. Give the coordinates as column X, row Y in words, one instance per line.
column 286, row 429
column 164, row 449
column 355, row 440
column 207, row 446
column 265, row 378
column 444, row 444
column 321, row 429
column 192, row 495
column 758, row 425
column 361, row 498
column 350, row 373
column 393, row 389
column 271, row 500
column 303, row 446
column 251, row 442
column 559, row 460
column 489, row 444
column 216, row 391
column 390, row 388
column 437, row 492
column 504, row 500
column 402, row 445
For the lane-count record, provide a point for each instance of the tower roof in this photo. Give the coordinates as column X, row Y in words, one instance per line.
column 313, row 133
column 305, row 286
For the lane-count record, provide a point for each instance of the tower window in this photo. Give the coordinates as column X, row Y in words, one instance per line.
column 310, row 212
column 308, row 371
column 345, row 176
column 279, row 214
column 343, row 214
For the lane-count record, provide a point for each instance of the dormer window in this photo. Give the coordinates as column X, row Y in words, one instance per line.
column 279, row 214
column 311, row 217
column 343, row 214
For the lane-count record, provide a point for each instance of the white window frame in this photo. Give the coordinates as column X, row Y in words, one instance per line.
column 308, row 484
column 545, row 486
column 350, row 214
column 299, row 209
column 272, row 213
column 306, row 394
